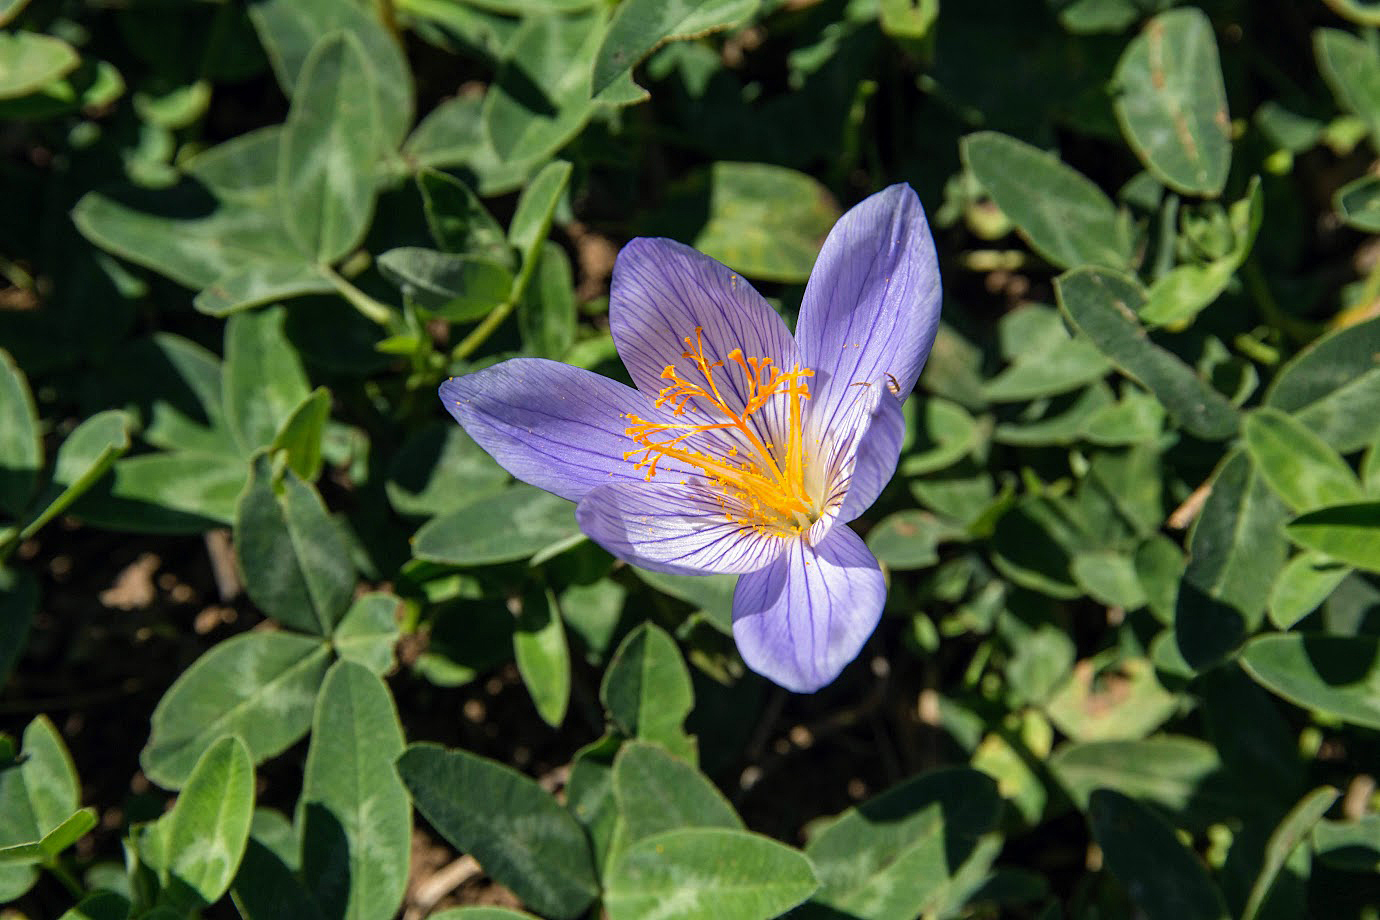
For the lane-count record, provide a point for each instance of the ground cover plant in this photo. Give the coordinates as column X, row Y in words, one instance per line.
column 279, row 639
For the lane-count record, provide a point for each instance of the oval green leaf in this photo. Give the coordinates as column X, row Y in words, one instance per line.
column 512, row 826
column 1172, row 105
column 1337, row 675
column 707, row 874
column 1064, row 216
column 260, row 686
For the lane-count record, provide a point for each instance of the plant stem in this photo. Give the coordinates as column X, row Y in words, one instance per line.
column 380, row 313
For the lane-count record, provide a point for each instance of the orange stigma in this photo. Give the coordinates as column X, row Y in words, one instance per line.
column 761, row 485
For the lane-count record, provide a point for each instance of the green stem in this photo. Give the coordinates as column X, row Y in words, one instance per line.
column 68, row 880
column 378, row 312
column 479, row 334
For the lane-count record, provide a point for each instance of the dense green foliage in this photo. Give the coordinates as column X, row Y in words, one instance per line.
column 1130, row 662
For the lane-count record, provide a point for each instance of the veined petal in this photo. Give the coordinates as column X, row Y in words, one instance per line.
column 678, row 529
column 662, row 291
column 871, row 307
column 557, row 427
column 851, row 471
column 800, row 620
column 875, row 458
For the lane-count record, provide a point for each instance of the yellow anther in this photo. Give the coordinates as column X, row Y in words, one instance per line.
column 763, row 488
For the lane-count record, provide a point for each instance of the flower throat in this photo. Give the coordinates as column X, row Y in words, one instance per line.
column 763, row 486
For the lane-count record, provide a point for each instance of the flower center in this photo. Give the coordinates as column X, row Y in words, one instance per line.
column 760, row 484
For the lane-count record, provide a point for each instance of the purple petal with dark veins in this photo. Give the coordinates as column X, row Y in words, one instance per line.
column 799, row 621
column 557, row 427
column 673, row 528
column 661, row 291
column 871, row 307
column 875, row 459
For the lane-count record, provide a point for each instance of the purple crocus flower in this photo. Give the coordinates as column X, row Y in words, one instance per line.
column 743, row 450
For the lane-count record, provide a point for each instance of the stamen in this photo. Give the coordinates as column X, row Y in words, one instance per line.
column 764, row 488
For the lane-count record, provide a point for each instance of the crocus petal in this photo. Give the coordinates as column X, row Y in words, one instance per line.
column 875, row 460
column 557, row 427
column 799, row 621
column 678, row 529
column 871, row 307
column 662, row 291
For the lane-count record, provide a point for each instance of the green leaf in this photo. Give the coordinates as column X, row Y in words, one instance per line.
column 944, row 433
column 1337, row 675
column 535, row 209
column 1064, row 216
column 1237, row 549
column 93, row 85
column 224, row 218
column 87, row 455
column 259, row 283
column 647, row 692
column 53, row 843
column 177, row 395
column 1292, row 831
column 177, row 493
column 440, row 469
column 291, row 29
column 481, row 913
column 1123, row 700
column 1164, row 880
column 326, row 161
column 259, row 685
column 1302, row 585
column 458, row 221
column 589, row 796
column 512, row 826
column 301, row 434
column 657, row 792
column 21, row 450
column 354, row 814
column 541, row 97
column 909, row 20
column 264, row 381
column 460, row 288
column 1181, row 775
column 1332, row 386
column 38, row 792
column 543, row 657
column 711, row 594
column 909, row 539
column 1347, row 533
column 1351, row 68
column 1358, row 203
column 1171, row 103
column 706, row 873
column 1350, row 845
column 895, row 855
column 640, row 26
column 1103, row 305
column 368, row 631
column 29, row 60
column 533, row 520
column 760, row 219
column 546, row 314
column 209, row 826
column 1070, row 364
column 1185, row 290
column 295, row 563
column 100, row 905
column 1301, row 468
